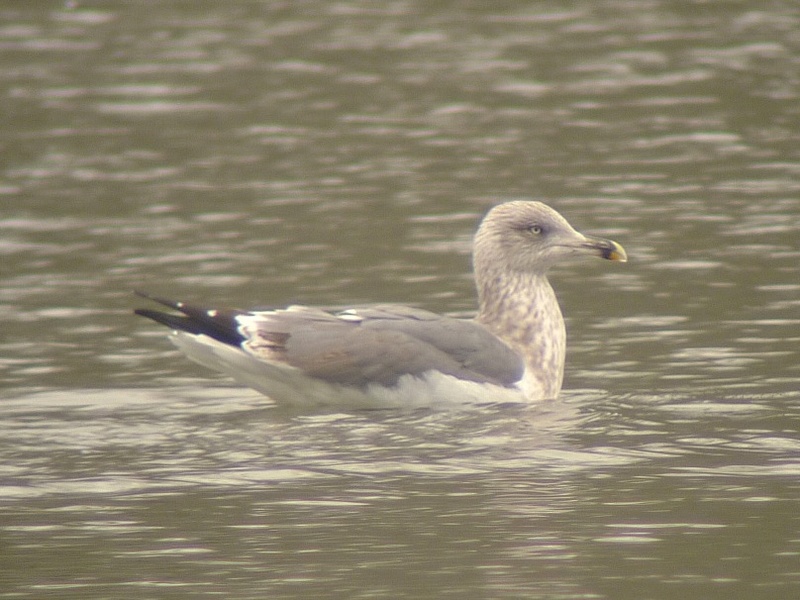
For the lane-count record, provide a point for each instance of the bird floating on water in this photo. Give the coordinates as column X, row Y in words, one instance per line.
column 389, row 355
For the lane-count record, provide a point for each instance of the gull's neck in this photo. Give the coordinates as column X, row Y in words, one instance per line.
column 522, row 310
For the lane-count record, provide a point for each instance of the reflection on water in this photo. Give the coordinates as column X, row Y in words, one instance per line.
column 264, row 153
column 192, row 488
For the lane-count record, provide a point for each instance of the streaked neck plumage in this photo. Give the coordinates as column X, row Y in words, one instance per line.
column 521, row 308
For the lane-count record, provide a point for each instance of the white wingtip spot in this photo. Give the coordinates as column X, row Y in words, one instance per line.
column 350, row 315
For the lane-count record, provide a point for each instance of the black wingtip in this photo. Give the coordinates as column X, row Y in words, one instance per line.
column 159, row 300
column 218, row 324
column 175, row 322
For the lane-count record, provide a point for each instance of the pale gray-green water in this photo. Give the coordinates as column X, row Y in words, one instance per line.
column 255, row 153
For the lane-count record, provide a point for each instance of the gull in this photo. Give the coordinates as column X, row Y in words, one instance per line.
column 390, row 355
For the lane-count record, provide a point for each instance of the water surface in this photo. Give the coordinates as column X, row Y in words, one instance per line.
column 329, row 153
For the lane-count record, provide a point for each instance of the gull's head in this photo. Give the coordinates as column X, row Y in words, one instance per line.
column 531, row 237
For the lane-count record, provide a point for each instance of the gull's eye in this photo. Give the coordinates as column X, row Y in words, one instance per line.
column 536, row 229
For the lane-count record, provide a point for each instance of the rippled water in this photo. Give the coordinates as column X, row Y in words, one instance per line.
column 262, row 153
